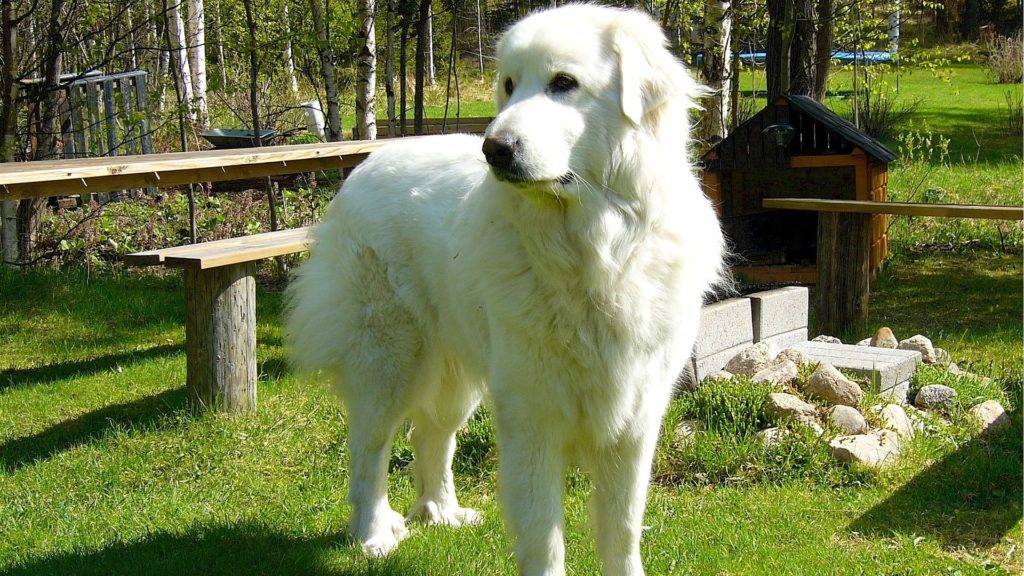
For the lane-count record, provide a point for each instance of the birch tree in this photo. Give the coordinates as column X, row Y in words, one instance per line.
column 196, row 34
column 178, row 41
column 366, row 72
column 323, row 47
column 715, row 68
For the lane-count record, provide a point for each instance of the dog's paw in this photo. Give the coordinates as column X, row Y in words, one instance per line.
column 384, row 534
column 433, row 514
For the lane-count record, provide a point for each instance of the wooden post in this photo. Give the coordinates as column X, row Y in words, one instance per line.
column 844, row 243
column 220, row 337
column 110, row 122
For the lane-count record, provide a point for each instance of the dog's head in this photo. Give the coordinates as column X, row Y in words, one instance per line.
column 575, row 86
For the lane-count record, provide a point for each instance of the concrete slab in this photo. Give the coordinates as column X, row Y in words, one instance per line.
column 714, row 362
column 883, row 367
column 779, row 311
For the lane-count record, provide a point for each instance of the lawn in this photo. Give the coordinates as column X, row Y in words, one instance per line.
column 104, row 469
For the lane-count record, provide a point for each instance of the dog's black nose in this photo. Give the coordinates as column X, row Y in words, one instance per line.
column 500, row 151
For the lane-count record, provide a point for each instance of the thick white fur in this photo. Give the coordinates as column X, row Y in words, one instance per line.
column 573, row 306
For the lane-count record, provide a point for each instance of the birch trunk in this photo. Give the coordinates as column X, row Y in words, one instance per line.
column 366, row 74
column 293, row 81
column 431, row 67
column 327, row 66
column 178, row 40
column 715, row 69
column 197, row 58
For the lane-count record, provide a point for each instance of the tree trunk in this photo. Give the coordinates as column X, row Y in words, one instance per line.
column 431, row 67
column 779, row 41
column 823, row 48
column 222, row 65
column 178, row 43
column 403, row 89
column 389, row 66
column 197, row 58
column 8, row 127
column 479, row 38
column 421, row 61
column 801, row 80
column 327, row 66
column 715, row 68
column 366, row 76
column 254, row 107
column 289, row 58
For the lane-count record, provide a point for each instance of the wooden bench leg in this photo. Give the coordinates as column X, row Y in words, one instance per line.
column 220, row 337
column 844, row 245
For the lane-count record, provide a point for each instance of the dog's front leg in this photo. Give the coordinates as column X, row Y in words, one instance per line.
column 531, row 474
column 621, row 472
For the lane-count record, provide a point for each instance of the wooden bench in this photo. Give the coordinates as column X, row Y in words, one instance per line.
column 474, row 125
column 844, row 245
column 220, row 311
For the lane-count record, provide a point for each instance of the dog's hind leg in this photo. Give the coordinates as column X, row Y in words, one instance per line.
column 373, row 522
column 435, row 423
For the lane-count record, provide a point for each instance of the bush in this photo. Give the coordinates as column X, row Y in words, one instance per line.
column 881, row 114
column 1004, row 59
column 1014, row 112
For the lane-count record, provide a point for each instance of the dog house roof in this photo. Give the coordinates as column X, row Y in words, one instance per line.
column 828, row 119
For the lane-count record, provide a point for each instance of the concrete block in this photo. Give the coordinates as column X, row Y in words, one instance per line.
column 883, row 367
column 723, row 325
column 779, row 311
column 712, row 363
column 787, row 339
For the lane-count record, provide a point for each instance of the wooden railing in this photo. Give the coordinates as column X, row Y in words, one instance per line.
column 90, row 175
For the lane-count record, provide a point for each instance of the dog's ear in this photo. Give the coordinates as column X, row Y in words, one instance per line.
column 649, row 74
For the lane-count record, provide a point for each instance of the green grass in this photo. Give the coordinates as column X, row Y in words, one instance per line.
column 103, row 469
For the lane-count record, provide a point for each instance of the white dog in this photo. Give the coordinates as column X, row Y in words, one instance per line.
column 557, row 266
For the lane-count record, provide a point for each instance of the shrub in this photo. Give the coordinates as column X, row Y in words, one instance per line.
column 880, row 113
column 1004, row 59
column 1014, row 112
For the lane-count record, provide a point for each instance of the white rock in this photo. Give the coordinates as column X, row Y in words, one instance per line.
column 686, row 431
column 895, row 418
column 847, row 420
column 990, row 416
column 752, row 359
column 720, row 375
column 830, row 385
column 814, row 426
column 935, row 397
column 771, row 436
column 779, row 374
column 955, row 370
column 884, row 338
column 864, row 342
column 827, row 339
column 876, row 449
column 781, row 406
column 795, row 355
column 920, row 344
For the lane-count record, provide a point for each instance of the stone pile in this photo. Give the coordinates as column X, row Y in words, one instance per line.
column 871, row 436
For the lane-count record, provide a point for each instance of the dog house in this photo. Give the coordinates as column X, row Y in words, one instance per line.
column 793, row 148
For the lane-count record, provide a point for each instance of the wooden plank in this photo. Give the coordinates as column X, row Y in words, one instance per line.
column 822, row 161
column 86, row 175
column 988, row 212
column 205, row 255
column 777, row 274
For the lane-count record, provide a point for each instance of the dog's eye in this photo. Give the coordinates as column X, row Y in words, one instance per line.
column 508, row 86
column 563, row 83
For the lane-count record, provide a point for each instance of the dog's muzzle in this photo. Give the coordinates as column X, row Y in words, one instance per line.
column 504, row 155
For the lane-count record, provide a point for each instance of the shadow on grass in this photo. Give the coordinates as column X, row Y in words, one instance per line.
column 245, row 549
column 88, row 427
column 77, row 368
column 971, row 497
